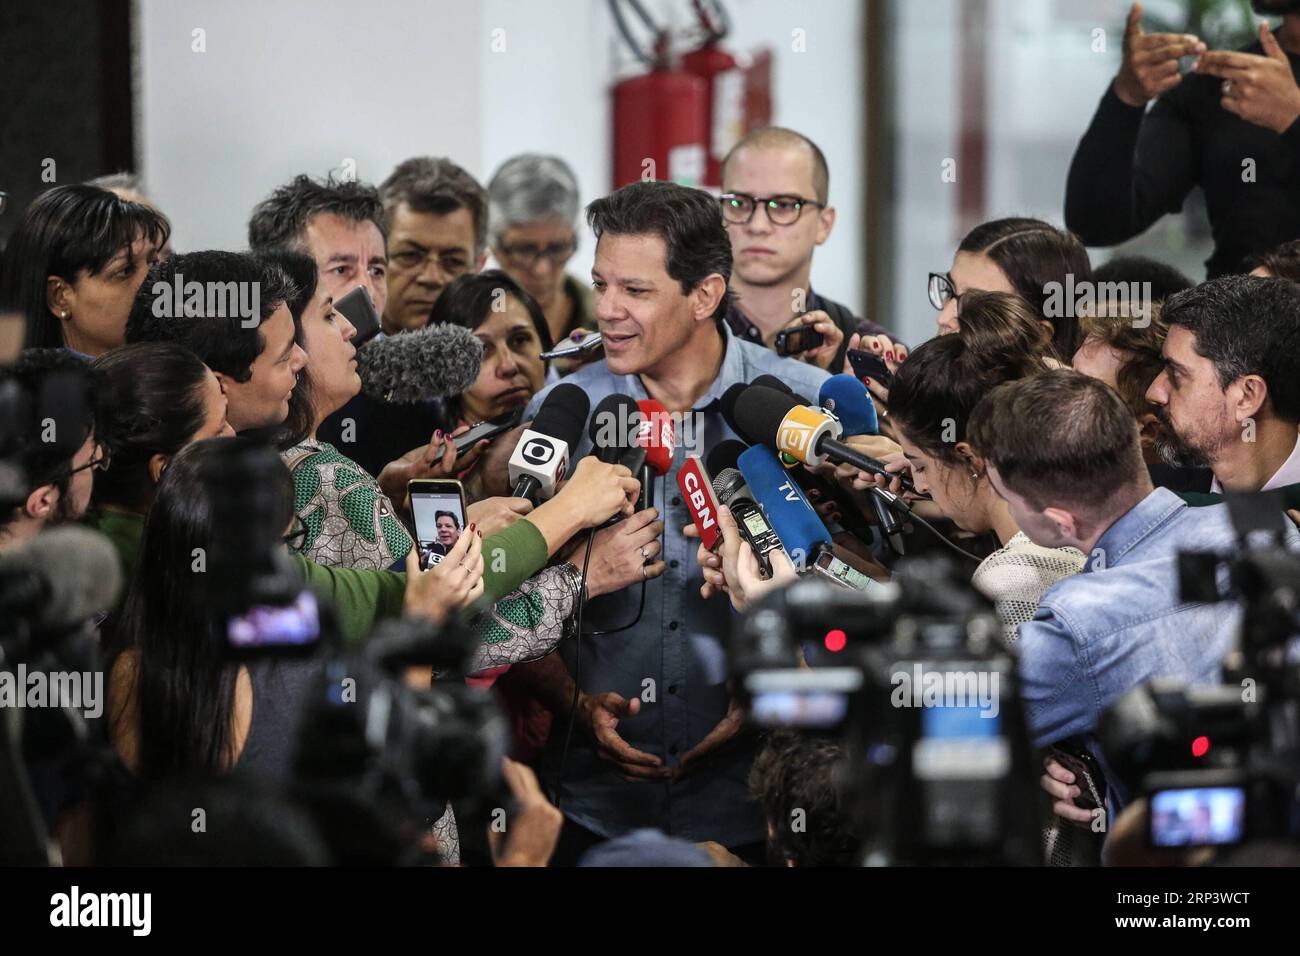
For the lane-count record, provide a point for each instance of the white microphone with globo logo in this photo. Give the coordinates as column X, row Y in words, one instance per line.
column 541, row 458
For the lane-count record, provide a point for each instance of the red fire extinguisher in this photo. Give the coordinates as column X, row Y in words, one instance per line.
column 661, row 118
column 725, row 102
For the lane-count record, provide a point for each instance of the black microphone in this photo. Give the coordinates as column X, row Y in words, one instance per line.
column 418, row 366
column 614, row 424
column 541, row 459
column 731, row 489
column 779, row 421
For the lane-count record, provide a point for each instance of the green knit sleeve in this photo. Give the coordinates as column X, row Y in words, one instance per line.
column 510, row 558
column 362, row 597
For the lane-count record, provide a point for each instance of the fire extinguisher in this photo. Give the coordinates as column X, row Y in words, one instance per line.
column 667, row 121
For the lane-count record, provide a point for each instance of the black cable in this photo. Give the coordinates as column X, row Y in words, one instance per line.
column 577, row 668
column 938, row 534
column 626, row 32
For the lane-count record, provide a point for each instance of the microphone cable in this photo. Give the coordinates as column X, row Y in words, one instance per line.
column 577, row 668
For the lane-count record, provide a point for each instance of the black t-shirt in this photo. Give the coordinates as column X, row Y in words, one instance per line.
column 1134, row 166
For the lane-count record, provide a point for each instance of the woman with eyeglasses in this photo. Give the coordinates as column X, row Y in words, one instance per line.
column 532, row 208
column 1018, row 255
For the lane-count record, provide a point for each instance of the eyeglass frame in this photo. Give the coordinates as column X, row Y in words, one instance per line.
column 550, row 251
column 99, row 461
column 764, row 200
column 427, row 257
column 953, row 294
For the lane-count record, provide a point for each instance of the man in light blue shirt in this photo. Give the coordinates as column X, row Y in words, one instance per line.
column 658, row 742
column 1063, row 450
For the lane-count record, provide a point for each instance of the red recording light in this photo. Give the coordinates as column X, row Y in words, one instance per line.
column 835, row 640
column 1200, row 746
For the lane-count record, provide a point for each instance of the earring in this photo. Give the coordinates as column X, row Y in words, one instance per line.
column 63, row 315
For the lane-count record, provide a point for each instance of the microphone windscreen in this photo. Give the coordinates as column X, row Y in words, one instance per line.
column 792, row 517
column 79, row 568
column 772, row 382
column 760, row 411
column 656, row 435
column 563, row 413
column 728, row 403
column 847, row 398
column 419, row 366
column 614, row 426
column 724, row 455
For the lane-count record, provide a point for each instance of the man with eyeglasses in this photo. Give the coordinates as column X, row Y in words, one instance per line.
column 532, row 208
column 775, row 190
column 49, row 453
column 437, row 231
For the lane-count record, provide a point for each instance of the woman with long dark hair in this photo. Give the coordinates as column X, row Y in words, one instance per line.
column 74, row 264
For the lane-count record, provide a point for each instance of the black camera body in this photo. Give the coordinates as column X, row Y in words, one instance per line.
column 925, row 699
column 1221, row 764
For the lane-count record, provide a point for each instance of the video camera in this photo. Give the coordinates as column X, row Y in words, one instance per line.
column 917, row 684
column 1221, row 764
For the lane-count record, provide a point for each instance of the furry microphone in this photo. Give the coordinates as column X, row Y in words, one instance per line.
column 413, row 367
column 65, row 576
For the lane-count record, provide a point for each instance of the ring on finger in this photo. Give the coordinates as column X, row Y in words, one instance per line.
column 1227, row 87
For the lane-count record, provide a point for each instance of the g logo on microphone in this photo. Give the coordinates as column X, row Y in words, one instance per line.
column 538, row 451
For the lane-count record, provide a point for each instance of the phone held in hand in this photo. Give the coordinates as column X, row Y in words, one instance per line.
column 794, row 341
column 358, row 309
column 438, row 506
column 489, row 429
column 570, row 348
column 869, row 365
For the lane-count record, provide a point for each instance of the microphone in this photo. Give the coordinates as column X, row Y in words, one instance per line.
column 733, row 393
column 541, row 459
column 613, row 429
column 419, row 366
column 729, row 485
column 846, row 397
column 806, row 539
column 811, row 436
column 656, row 441
column 63, row 577
column 697, row 491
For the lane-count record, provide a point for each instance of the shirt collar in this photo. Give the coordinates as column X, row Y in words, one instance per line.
column 1133, row 526
column 732, row 370
column 1288, row 474
column 742, row 327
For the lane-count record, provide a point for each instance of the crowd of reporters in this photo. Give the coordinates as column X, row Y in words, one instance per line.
column 1070, row 453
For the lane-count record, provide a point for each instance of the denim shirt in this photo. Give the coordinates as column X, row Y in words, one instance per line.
column 1120, row 622
column 674, row 657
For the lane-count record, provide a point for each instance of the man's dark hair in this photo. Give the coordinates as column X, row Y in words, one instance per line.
column 1165, row 279
column 224, row 343
column 1282, row 262
column 304, row 276
column 455, row 519
column 1034, row 254
column 56, row 402
column 779, row 136
column 796, row 771
column 1247, row 325
column 65, row 232
column 1059, row 437
column 281, row 219
column 689, row 221
column 437, row 185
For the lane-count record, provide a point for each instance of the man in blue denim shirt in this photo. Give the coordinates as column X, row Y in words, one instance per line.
column 1064, row 452
column 659, row 743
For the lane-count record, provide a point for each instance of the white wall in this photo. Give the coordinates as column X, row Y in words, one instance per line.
column 290, row 86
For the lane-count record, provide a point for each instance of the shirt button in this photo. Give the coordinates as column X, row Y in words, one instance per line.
column 672, row 751
column 672, row 688
column 672, row 564
column 672, row 625
column 676, row 501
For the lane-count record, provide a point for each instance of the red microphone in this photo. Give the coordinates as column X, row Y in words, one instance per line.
column 697, row 490
column 656, row 440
